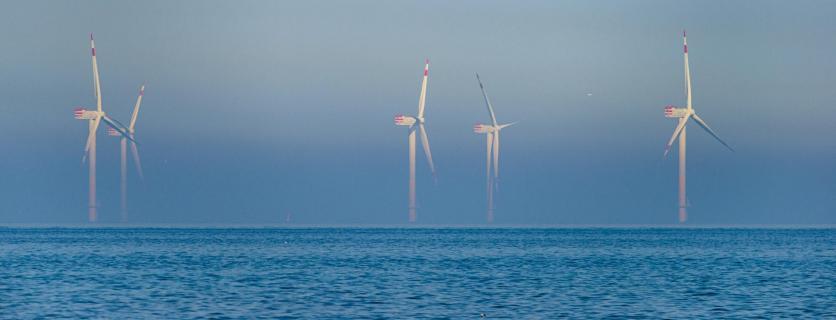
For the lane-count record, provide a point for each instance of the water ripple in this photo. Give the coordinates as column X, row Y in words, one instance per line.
column 417, row 273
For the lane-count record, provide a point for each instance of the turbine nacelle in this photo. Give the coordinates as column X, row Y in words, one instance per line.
column 674, row 112
column 113, row 132
column 484, row 128
column 403, row 120
column 84, row 114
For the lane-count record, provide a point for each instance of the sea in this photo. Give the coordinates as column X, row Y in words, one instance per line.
column 418, row 273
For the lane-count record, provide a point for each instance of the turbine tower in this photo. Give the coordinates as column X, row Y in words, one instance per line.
column 123, row 164
column 412, row 123
column 95, row 117
column 492, row 132
column 684, row 114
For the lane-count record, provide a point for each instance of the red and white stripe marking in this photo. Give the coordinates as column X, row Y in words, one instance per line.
column 78, row 112
column 92, row 45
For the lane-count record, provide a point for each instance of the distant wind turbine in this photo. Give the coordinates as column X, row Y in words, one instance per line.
column 95, row 118
column 492, row 132
column 411, row 122
column 131, row 130
column 684, row 114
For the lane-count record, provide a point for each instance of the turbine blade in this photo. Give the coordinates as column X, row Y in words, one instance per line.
column 705, row 126
column 118, row 127
column 115, row 122
column 422, row 99
column 487, row 101
column 90, row 137
column 682, row 122
column 426, row 144
column 136, row 108
column 96, row 82
column 135, row 153
column 503, row 126
column 687, row 70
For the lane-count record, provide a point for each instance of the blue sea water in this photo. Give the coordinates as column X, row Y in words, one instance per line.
column 404, row 273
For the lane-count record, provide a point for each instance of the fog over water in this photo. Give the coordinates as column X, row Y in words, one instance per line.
column 255, row 110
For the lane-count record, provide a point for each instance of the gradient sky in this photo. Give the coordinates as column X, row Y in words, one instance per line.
column 258, row 109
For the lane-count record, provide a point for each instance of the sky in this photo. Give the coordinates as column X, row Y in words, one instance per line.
column 259, row 109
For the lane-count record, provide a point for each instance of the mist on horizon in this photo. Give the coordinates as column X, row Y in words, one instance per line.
column 259, row 111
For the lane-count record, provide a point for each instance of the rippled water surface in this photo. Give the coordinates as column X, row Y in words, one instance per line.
column 417, row 273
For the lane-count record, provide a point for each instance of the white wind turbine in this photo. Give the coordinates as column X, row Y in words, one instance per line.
column 684, row 114
column 411, row 122
column 95, row 117
column 131, row 130
column 492, row 132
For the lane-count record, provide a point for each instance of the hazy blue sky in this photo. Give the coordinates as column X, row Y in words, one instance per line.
column 255, row 109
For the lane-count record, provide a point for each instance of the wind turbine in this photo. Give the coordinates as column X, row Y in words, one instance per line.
column 412, row 123
column 131, row 130
column 492, row 132
column 95, row 117
column 684, row 114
